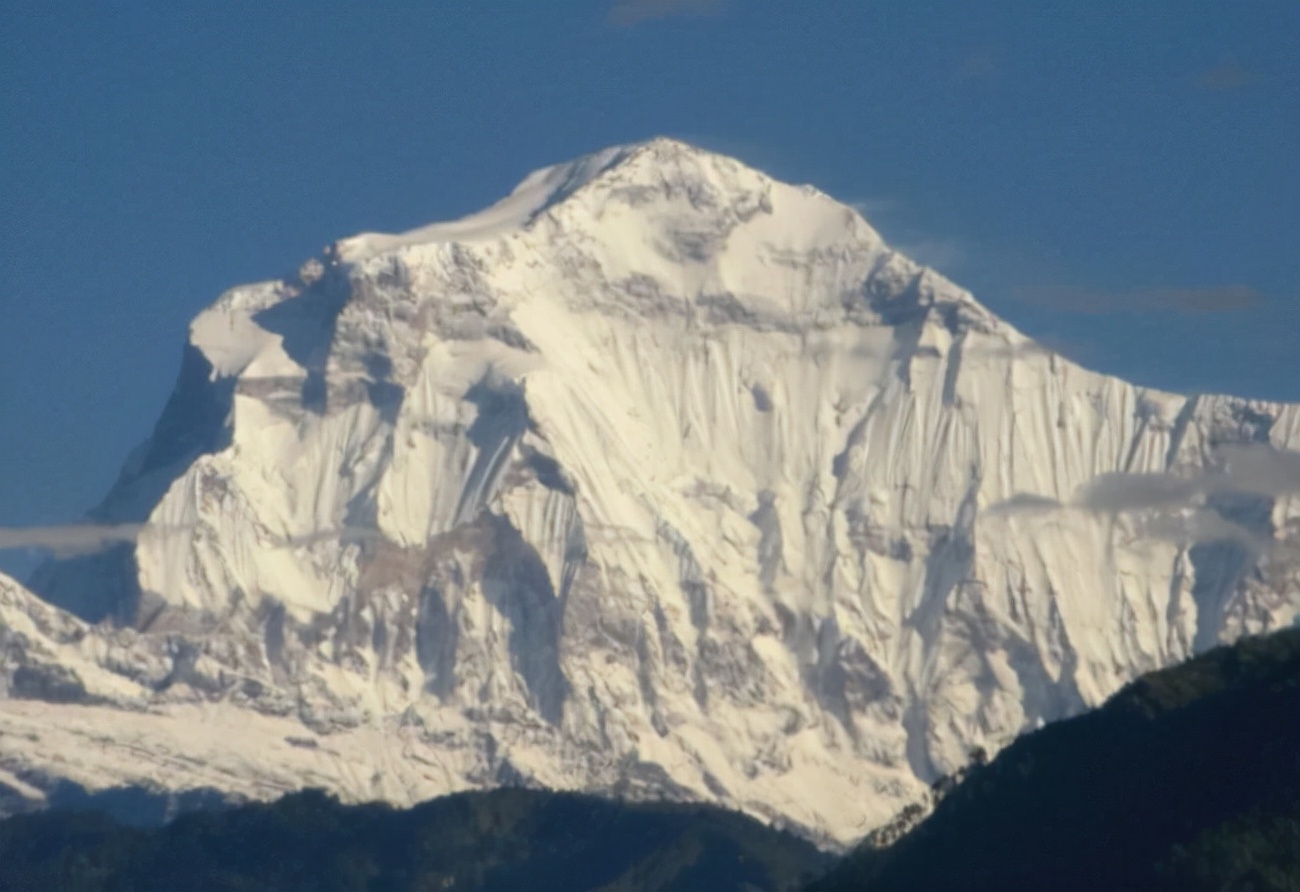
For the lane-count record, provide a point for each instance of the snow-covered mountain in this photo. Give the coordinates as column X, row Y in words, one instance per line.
column 659, row 477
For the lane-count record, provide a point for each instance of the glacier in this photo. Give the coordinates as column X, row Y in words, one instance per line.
column 659, row 478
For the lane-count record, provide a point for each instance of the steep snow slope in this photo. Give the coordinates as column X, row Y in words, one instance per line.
column 658, row 477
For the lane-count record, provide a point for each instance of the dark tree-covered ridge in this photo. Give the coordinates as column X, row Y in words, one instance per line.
column 509, row 839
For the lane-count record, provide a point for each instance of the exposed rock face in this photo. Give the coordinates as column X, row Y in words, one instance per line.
column 659, row 477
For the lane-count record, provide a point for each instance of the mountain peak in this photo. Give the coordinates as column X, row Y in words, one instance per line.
column 538, row 191
column 659, row 476
column 700, row 227
column 661, row 165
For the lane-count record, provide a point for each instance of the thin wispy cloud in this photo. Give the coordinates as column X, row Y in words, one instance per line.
column 1083, row 301
column 1119, row 492
column 1177, row 503
column 1201, row 525
column 1257, row 468
column 938, row 253
column 875, row 350
column 626, row 13
column 74, row 539
column 872, row 209
column 979, row 64
column 1022, row 350
column 1227, row 77
column 78, row 539
column 1023, row 503
column 762, row 155
column 887, row 215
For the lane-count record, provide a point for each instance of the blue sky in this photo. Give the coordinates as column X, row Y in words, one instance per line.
column 1115, row 178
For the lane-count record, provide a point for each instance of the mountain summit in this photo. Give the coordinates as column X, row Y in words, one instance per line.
column 658, row 478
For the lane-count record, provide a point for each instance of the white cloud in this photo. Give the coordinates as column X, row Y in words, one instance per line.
column 73, row 539
column 938, row 253
column 1175, row 506
column 1180, row 299
column 1201, row 525
column 888, row 216
column 1023, row 503
column 1256, row 468
column 1119, row 492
